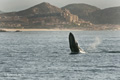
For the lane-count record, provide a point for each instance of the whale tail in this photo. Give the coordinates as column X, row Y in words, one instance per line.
column 74, row 45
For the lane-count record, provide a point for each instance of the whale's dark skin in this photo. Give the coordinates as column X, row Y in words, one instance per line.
column 75, row 49
column 73, row 44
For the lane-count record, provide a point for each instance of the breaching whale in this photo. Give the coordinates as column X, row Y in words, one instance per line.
column 74, row 45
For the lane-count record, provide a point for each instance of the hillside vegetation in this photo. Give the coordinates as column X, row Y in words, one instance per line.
column 94, row 14
column 82, row 10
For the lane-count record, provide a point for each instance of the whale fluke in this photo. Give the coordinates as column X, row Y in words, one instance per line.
column 74, row 45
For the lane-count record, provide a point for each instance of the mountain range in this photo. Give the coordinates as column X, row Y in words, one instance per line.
column 94, row 14
column 47, row 15
column 82, row 10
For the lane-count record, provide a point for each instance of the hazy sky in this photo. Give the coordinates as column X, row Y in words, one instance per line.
column 17, row 5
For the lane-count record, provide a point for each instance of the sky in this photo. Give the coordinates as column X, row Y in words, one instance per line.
column 17, row 5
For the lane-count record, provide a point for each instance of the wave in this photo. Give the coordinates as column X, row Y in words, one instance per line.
column 113, row 51
column 108, row 51
column 110, row 66
column 103, row 51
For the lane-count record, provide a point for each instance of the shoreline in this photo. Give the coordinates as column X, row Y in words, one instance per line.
column 42, row 29
column 56, row 29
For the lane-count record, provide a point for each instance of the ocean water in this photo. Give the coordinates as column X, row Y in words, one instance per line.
column 45, row 55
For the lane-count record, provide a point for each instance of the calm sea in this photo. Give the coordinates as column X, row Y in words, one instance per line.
column 45, row 55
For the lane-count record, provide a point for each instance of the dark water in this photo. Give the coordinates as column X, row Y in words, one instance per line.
column 45, row 55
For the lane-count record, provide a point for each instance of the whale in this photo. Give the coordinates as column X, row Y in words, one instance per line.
column 73, row 44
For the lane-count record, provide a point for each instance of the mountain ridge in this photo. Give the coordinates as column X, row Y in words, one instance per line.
column 81, row 9
column 40, row 15
column 42, row 8
column 96, row 15
column 107, row 16
column 45, row 15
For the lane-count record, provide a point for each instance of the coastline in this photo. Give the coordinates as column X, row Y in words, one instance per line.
column 42, row 30
column 98, row 28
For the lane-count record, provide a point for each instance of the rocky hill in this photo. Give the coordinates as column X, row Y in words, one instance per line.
column 43, row 15
column 43, row 8
column 94, row 14
column 82, row 10
column 106, row 16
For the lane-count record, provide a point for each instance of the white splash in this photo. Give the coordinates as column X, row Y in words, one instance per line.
column 95, row 43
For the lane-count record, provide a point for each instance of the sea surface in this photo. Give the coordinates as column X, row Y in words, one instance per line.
column 45, row 55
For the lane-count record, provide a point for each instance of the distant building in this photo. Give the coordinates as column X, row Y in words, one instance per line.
column 69, row 17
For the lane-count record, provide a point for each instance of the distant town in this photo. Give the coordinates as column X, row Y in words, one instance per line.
column 47, row 16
